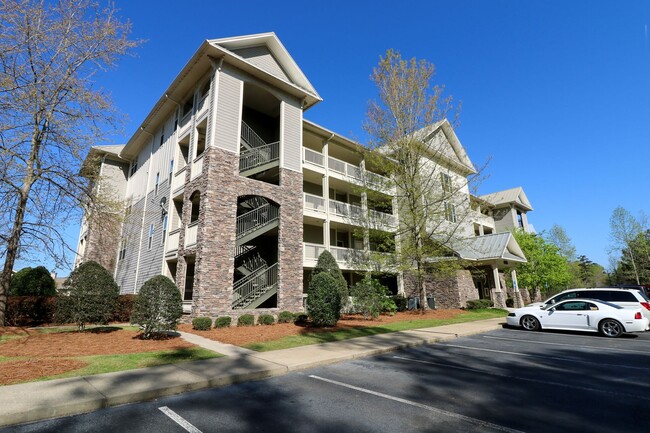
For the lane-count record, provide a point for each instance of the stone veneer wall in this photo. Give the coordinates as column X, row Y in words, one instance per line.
column 103, row 240
column 220, row 185
column 450, row 292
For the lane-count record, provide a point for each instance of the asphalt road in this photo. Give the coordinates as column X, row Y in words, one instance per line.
column 502, row 381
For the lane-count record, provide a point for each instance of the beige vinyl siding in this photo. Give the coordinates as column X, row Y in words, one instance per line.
column 263, row 59
column 126, row 269
column 291, row 130
column 229, row 102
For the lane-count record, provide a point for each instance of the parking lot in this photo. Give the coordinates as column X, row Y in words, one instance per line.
column 506, row 380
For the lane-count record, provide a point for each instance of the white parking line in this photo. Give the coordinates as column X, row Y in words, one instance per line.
column 525, row 379
column 556, row 358
column 179, row 420
column 613, row 349
column 421, row 406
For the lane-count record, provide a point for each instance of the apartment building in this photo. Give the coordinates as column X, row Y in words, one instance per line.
column 233, row 195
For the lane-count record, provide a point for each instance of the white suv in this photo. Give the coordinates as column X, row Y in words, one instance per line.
column 626, row 298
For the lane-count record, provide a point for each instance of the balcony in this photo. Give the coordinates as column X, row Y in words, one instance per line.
column 197, row 167
column 202, row 106
column 350, row 213
column 347, row 258
column 171, row 249
column 178, row 181
column 313, row 160
column 191, row 233
column 347, row 171
column 381, row 220
column 314, row 203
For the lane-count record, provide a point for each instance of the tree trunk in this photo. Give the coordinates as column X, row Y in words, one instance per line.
column 12, row 253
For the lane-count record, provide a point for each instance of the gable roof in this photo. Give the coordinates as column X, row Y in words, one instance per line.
column 213, row 52
column 515, row 196
column 451, row 151
column 491, row 247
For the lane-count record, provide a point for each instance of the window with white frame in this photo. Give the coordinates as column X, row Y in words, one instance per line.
column 122, row 253
column 151, row 230
column 155, row 189
column 164, row 230
column 445, row 179
column 171, row 171
column 450, row 212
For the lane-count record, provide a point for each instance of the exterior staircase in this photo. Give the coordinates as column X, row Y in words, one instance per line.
column 255, row 155
column 258, row 281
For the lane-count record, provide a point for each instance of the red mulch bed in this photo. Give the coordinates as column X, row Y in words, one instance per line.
column 243, row 335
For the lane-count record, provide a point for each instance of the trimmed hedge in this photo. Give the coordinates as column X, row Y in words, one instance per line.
column 30, row 310
column 123, row 309
column 223, row 322
column 286, row 317
column 477, row 304
column 202, row 323
column 324, row 300
column 266, row 319
column 246, row 320
column 158, row 307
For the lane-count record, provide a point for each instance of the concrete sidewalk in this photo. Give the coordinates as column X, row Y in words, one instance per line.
column 57, row 398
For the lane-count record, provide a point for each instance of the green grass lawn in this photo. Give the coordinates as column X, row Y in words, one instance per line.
column 345, row 334
column 109, row 363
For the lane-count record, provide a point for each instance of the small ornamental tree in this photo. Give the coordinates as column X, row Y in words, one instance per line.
column 158, row 307
column 370, row 298
column 32, row 282
column 88, row 295
column 324, row 300
column 327, row 263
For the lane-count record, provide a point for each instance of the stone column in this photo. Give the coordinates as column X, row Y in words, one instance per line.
column 519, row 301
column 497, row 294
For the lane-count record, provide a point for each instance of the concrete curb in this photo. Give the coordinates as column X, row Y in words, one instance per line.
column 36, row 401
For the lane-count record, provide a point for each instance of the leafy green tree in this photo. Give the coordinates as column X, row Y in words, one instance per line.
column 559, row 237
column 50, row 110
column 431, row 200
column 89, row 295
column 324, row 300
column 546, row 269
column 633, row 266
column 158, row 306
column 327, row 263
column 370, row 298
column 624, row 231
column 32, row 282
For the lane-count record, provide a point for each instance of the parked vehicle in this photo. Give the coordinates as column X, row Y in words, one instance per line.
column 588, row 315
column 626, row 298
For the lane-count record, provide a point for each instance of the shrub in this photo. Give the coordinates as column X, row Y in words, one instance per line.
column 476, row 304
column 30, row 310
column 246, row 320
column 327, row 263
column 300, row 318
column 223, row 322
column 87, row 296
column 202, row 323
column 324, row 300
column 123, row 308
column 286, row 317
column 400, row 302
column 32, row 282
column 158, row 307
column 371, row 298
column 510, row 302
column 266, row 319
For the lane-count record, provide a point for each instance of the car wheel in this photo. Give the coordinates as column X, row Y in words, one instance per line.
column 611, row 328
column 530, row 323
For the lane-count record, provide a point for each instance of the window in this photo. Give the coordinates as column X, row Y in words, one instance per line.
column 171, row 171
column 134, row 168
column 162, row 139
column 122, row 253
column 520, row 219
column 450, row 212
column 445, row 179
column 164, row 228
column 155, row 189
column 151, row 229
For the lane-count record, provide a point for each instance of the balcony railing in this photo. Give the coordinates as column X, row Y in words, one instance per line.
column 172, row 241
column 178, row 181
column 185, row 119
column 191, row 233
column 312, row 251
column 381, row 218
column 314, row 202
column 313, row 157
column 346, row 210
column 201, row 105
column 197, row 167
column 258, row 156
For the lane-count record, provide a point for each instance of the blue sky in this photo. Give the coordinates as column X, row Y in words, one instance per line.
column 556, row 94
